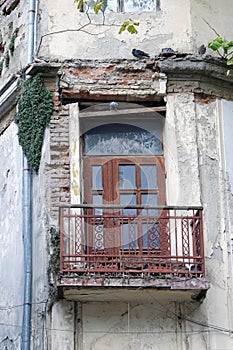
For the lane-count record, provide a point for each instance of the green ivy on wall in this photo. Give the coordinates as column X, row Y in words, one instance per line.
column 35, row 106
column 54, row 262
column 12, row 44
column 1, row 67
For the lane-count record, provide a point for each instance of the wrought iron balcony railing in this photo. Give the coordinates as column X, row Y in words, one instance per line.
column 136, row 240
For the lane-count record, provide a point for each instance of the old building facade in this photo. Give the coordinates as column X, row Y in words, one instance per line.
column 122, row 239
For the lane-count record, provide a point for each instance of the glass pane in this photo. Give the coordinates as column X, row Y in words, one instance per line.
column 97, row 177
column 128, row 199
column 152, row 200
column 148, row 176
column 150, row 236
column 139, row 5
column 112, row 6
column 127, row 178
column 123, row 139
column 97, row 199
column 129, row 235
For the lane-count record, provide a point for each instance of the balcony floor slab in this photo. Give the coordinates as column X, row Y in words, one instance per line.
column 176, row 289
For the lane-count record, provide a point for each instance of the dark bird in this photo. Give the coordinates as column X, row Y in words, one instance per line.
column 202, row 49
column 139, row 54
column 168, row 50
column 113, row 106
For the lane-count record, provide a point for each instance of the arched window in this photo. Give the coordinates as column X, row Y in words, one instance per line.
column 124, row 139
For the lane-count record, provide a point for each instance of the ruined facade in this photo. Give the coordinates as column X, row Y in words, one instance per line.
column 131, row 209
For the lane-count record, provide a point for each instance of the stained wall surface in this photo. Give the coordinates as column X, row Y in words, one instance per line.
column 11, row 275
column 182, row 25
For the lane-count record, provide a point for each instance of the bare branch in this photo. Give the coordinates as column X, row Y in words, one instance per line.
column 60, row 32
column 211, row 27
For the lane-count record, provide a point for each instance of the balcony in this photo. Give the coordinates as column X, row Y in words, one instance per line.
column 131, row 248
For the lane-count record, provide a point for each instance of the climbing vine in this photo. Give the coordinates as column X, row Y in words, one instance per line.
column 1, row 67
column 35, row 106
column 12, row 44
column 54, row 262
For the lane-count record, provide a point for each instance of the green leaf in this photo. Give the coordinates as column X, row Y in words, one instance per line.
column 123, row 27
column 227, row 45
column 230, row 43
column 219, row 40
column 97, row 6
column 130, row 26
column 131, row 29
column 79, row 4
column 230, row 62
column 214, row 45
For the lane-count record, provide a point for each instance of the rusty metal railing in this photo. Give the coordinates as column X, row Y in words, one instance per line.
column 163, row 241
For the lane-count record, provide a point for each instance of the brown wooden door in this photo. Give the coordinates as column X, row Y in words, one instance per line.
column 136, row 180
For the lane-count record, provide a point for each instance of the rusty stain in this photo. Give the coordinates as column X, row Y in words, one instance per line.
column 203, row 98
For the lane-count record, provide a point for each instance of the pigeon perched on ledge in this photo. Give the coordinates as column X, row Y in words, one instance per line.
column 167, row 50
column 113, row 106
column 139, row 54
column 202, row 49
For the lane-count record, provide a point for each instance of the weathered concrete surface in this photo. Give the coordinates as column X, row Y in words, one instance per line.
column 40, row 248
column 63, row 326
column 201, row 75
column 227, row 111
column 128, row 325
column 183, row 186
column 13, row 20
column 185, row 31
column 217, row 235
column 104, row 41
column 11, row 240
column 210, row 13
column 56, row 30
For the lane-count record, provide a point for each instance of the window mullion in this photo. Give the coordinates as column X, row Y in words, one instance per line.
column 120, row 6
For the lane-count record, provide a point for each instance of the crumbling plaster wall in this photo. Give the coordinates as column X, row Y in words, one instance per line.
column 196, row 175
column 185, row 31
column 181, row 154
column 217, row 14
column 227, row 113
column 126, row 324
column 13, row 20
column 11, row 257
column 122, row 325
column 227, row 124
column 216, row 232
column 157, row 30
column 41, row 194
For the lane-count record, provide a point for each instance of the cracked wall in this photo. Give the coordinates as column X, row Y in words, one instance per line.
column 184, row 32
column 11, row 276
column 13, row 20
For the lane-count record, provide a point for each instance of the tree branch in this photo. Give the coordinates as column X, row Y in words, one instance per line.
column 211, row 27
